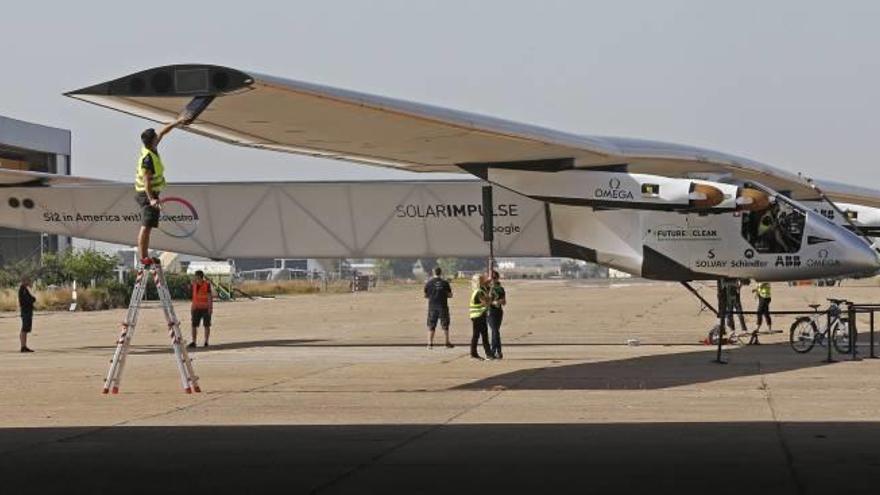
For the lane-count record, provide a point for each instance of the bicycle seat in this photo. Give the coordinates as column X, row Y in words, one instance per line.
column 814, row 306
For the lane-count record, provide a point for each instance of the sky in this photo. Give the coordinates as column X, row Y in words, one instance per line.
column 790, row 83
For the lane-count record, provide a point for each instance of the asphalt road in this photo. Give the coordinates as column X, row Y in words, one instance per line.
column 337, row 394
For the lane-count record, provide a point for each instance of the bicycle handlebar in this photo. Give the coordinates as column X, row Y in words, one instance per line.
column 837, row 301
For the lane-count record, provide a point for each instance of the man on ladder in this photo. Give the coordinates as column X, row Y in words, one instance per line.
column 149, row 181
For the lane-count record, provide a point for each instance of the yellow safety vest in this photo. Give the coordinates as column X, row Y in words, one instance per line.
column 764, row 291
column 158, row 181
column 476, row 308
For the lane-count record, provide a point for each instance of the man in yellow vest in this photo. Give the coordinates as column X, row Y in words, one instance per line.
column 763, row 293
column 477, row 308
column 149, row 181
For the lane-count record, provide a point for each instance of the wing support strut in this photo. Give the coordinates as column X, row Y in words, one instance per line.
column 696, row 294
column 195, row 108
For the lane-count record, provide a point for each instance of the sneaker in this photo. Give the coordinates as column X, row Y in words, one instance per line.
column 499, row 356
column 25, row 349
column 477, row 357
column 192, row 345
column 449, row 346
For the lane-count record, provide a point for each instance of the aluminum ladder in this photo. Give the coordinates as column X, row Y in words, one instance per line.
column 188, row 378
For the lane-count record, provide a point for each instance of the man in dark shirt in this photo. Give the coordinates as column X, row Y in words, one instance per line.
column 498, row 299
column 26, row 304
column 437, row 292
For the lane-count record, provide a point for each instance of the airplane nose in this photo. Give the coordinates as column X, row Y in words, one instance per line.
column 849, row 254
column 862, row 258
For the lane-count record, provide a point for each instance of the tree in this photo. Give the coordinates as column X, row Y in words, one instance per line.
column 52, row 269
column 570, row 269
column 403, row 267
column 384, row 268
column 11, row 275
column 89, row 264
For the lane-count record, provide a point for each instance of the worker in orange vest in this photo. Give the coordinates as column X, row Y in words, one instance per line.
column 202, row 307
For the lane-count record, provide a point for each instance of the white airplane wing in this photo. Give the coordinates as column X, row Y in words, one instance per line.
column 298, row 219
column 255, row 110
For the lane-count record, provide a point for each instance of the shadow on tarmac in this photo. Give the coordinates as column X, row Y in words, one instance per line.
column 656, row 458
column 663, row 370
column 166, row 349
column 326, row 343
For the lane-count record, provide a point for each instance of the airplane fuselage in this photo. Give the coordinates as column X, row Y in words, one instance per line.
column 666, row 228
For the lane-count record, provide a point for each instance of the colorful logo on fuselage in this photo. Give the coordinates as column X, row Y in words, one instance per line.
column 178, row 217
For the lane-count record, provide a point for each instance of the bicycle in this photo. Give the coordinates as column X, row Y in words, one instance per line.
column 804, row 333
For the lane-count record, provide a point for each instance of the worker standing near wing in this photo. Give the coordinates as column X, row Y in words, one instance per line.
column 202, row 307
column 438, row 292
column 26, row 305
column 763, row 293
column 495, row 314
column 148, row 183
column 479, row 304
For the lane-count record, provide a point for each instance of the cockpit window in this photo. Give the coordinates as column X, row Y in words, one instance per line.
column 777, row 229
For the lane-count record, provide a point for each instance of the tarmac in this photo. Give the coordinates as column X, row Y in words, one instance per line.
column 338, row 394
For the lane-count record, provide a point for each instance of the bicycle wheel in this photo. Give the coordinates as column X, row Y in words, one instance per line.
column 840, row 336
column 802, row 335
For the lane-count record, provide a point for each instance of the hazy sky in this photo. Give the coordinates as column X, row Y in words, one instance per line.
column 790, row 83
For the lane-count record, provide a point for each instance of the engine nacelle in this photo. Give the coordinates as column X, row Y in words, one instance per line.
column 748, row 199
column 620, row 190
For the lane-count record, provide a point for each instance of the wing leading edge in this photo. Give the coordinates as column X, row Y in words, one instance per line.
column 292, row 116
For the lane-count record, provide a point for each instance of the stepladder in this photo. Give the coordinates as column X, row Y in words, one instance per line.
column 188, row 378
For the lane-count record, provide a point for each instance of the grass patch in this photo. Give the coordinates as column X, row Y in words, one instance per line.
column 59, row 299
column 291, row 287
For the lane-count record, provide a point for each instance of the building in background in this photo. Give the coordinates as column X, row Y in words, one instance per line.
column 35, row 148
column 284, row 268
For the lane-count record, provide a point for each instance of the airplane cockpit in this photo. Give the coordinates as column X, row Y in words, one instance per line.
column 777, row 229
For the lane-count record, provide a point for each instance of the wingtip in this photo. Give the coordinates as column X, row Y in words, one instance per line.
column 172, row 80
